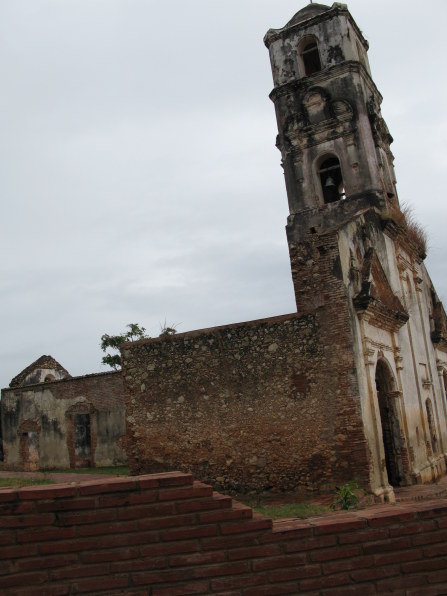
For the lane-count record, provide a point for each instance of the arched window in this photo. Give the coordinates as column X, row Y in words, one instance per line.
column 331, row 180
column 310, row 56
column 48, row 378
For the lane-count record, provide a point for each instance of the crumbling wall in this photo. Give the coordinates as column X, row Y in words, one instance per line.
column 255, row 405
column 39, row 423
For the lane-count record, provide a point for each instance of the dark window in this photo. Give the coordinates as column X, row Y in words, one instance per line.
column 331, row 180
column 311, row 58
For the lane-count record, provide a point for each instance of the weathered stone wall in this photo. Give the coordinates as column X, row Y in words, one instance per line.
column 38, row 422
column 259, row 405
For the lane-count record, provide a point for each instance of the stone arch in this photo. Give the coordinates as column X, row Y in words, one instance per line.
column 330, row 177
column 391, row 428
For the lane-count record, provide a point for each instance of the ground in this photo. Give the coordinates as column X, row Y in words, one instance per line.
column 421, row 492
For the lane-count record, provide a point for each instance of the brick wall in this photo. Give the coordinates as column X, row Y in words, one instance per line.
column 253, row 405
column 167, row 535
column 320, row 289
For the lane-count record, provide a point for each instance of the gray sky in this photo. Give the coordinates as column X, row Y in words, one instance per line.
column 139, row 178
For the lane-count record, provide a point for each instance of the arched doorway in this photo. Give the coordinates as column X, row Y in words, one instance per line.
column 391, row 434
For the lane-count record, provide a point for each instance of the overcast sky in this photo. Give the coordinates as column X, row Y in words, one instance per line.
column 139, row 177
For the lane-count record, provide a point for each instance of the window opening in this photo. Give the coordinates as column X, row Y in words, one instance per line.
column 332, row 180
column 311, row 58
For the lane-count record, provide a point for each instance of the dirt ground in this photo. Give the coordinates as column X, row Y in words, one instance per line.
column 421, row 492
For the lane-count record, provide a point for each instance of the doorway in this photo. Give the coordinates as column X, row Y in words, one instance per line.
column 82, row 440
column 391, row 431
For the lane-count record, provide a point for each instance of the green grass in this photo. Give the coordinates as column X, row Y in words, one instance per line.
column 21, row 482
column 111, row 470
column 299, row 510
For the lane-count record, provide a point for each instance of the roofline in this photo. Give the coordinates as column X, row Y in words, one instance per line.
column 209, row 330
column 66, row 380
column 336, row 9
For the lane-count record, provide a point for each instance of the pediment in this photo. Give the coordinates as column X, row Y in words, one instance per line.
column 376, row 301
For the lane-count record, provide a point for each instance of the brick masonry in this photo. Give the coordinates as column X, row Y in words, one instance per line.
column 268, row 404
column 166, row 535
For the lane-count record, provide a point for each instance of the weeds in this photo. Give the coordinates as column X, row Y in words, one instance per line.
column 21, row 482
column 287, row 510
column 346, row 496
column 110, row 470
column 406, row 219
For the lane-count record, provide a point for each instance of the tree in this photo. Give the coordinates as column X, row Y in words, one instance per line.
column 114, row 342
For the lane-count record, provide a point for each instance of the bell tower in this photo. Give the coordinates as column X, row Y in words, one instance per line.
column 356, row 257
column 334, row 143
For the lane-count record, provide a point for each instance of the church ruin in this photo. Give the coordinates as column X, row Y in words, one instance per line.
column 350, row 387
column 353, row 385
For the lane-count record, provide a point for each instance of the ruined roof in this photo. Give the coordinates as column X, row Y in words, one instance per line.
column 44, row 362
column 309, row 11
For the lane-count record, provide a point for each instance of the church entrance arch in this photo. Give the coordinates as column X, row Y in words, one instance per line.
column 391, row 431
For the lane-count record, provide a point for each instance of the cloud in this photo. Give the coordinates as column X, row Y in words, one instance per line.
column 139, row 175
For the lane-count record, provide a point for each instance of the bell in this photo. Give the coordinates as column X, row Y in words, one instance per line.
column 329, row 182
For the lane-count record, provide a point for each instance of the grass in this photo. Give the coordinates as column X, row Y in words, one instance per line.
column 111, row 470
column 297, row 510
column 21, row 482
column 405, row 217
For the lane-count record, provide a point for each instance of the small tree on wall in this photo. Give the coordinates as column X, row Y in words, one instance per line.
column 134, row 333
column 114, row 342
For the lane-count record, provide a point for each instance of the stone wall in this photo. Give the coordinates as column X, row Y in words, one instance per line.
column 261, row 405
column 165, row 535
column 39, row 423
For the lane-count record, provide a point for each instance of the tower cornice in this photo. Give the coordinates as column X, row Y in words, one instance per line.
column 302, row 85
column 337, row 9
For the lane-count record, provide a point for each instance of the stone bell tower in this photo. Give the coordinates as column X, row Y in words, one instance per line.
column 334, row 143
column 356, row 258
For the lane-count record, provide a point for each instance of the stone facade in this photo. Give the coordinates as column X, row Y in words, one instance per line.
column 354, row 385
column 72, row 422
column 248, row 406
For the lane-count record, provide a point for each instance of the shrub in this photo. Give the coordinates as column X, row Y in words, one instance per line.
column 346, row 496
